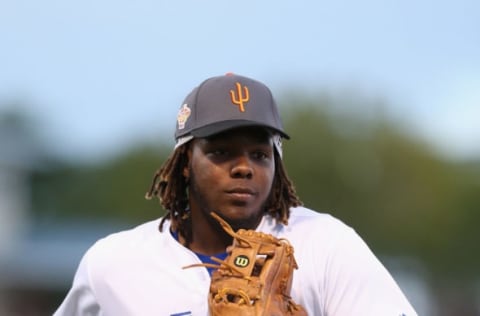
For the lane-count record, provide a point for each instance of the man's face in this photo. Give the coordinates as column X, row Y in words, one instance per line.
column 231, row 174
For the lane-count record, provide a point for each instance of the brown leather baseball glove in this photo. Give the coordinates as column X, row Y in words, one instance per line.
column 255, row 278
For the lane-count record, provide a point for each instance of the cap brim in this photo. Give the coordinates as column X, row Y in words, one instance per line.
column 218, row 127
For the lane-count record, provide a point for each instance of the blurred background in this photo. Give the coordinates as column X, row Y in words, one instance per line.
column 381, row 98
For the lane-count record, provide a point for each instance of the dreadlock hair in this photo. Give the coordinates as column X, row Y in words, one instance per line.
column 170, row 185
column 282, row 195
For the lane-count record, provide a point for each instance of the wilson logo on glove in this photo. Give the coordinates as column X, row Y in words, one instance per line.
column 241, row 261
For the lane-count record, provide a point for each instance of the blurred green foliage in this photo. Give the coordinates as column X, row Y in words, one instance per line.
column 402, row 196
column 110, row 189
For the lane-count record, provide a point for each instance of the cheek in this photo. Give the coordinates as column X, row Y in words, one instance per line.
column 267, row 178
column 205, row 172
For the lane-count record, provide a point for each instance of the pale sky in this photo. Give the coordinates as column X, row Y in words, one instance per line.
column 102, row 74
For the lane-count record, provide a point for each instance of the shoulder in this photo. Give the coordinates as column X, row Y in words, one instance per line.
column 308, row 228
column 136, row 235
column 120, row 246
column 304, row 220
column 337, row 265
column 335, row 235
column 302, row 214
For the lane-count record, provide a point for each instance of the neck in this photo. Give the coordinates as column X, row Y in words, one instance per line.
column 208, row 237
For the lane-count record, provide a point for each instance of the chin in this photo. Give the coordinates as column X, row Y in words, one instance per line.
column 239, row 220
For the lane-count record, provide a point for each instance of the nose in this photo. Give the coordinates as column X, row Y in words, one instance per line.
column 242, row 167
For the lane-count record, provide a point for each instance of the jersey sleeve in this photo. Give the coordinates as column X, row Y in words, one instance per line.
column 357, row 283
column 80, row 299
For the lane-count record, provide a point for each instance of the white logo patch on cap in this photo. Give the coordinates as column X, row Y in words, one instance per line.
column 183, row 115
column 277, row 142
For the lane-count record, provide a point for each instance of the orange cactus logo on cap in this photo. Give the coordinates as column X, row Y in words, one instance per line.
column 240, row 97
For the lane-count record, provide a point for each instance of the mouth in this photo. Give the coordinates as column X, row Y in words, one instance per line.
column 241, row 193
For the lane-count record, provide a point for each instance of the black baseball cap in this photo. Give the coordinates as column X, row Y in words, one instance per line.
column 226, row 102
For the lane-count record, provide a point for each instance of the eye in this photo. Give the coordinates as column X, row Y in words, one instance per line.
column 260, row 155
column 219, row 152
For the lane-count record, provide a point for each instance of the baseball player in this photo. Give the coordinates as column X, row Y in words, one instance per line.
column 228, row 160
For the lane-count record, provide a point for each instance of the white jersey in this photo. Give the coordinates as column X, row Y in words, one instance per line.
column 139, row 272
